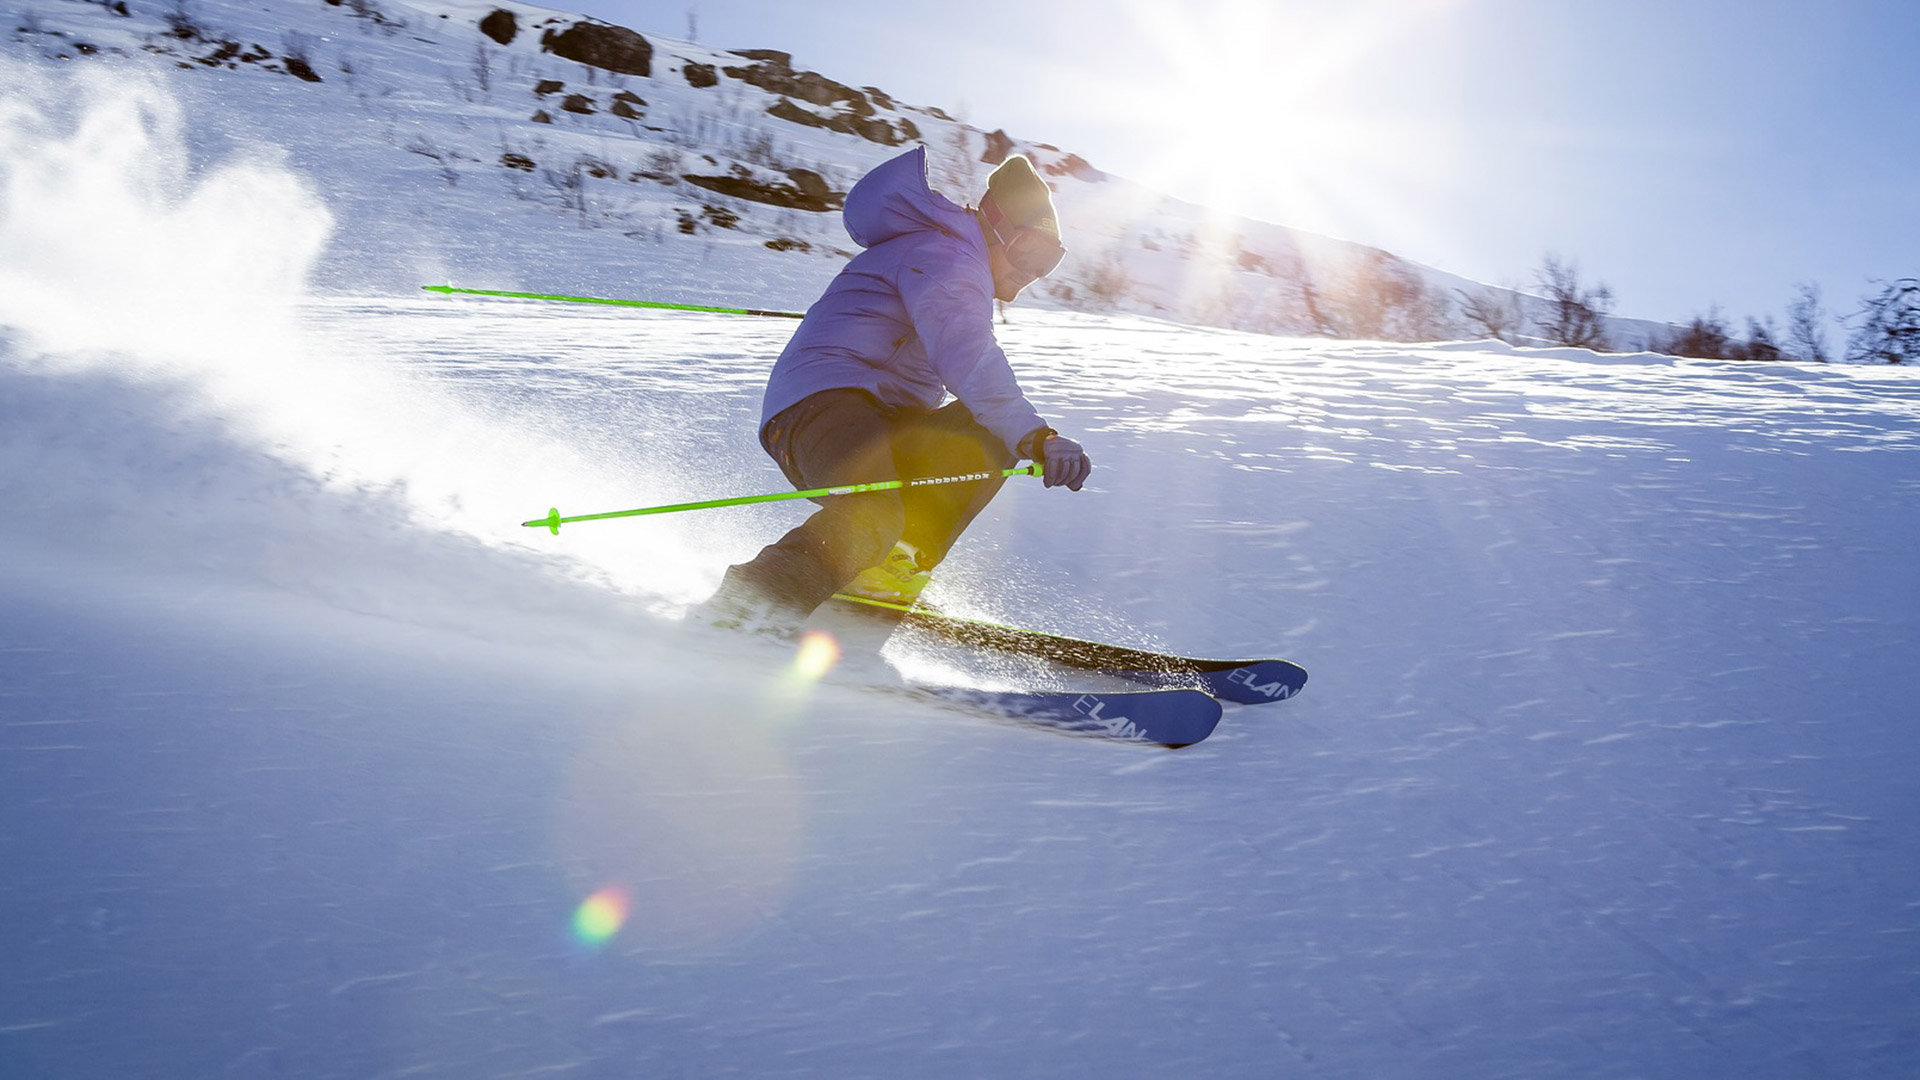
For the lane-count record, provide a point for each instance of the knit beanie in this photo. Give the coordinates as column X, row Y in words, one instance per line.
column 1019, row 193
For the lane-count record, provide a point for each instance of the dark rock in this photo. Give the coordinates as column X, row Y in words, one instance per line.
column 813, row 186
column 700, row 76
column 578, row 103
column 609, row 48
column 1075, row 166
column 541, row 116
column 787, row 110
column 625, row 111
column 807, row 191
column 774, row 73
column 870, row 128
column 500, row 25
column 785, row 243
column 999, row 146
column 298, row 67
column 517, row 161
column 548, row 86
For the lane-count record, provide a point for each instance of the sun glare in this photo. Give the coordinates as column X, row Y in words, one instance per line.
column 1250, row 107
column 817, row 654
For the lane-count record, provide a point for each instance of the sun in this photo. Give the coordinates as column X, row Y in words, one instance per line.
column 1250, row 108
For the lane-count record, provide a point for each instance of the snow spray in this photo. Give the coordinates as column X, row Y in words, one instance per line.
column 137, row 267
column 109, row 241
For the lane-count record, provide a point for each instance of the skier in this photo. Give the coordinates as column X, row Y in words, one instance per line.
column 856, row 395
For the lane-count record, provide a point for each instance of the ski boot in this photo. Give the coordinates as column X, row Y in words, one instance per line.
column 898, row 579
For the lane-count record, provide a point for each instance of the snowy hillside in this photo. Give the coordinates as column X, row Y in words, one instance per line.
column 314, row 763
column 1606, row 768
column 511, row 146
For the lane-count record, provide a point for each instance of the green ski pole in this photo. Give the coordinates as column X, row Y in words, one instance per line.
column 553, row 520
column 449, row 290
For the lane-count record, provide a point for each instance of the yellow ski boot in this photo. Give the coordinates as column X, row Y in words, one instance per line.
column 897, row 580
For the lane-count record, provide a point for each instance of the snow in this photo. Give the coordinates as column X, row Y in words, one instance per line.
column 309, row 753
column 411, row 153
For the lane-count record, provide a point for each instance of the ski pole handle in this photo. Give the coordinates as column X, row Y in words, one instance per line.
column 553, row 520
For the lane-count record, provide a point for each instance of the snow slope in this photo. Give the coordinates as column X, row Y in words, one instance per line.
column 310, row 755
column 446, row 153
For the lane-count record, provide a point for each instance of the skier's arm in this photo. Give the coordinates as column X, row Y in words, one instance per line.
column 954, row 318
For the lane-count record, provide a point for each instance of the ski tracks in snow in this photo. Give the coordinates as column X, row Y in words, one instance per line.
column 1602, row 770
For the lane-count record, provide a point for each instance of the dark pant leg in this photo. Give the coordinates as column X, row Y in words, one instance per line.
column 833, row 438
column 946, row 442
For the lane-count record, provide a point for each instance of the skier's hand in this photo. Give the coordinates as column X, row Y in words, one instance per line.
column 1064, row 463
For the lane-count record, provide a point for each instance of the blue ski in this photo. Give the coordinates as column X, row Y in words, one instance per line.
column 1243, row 682
column 1246, row 682
column 1168, row 717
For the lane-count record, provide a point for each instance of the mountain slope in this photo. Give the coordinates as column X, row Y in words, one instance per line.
column 606, row 161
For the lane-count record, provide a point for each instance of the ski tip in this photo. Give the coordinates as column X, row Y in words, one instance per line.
column 1257, row 683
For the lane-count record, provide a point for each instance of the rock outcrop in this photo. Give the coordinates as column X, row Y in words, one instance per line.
column 609, row 48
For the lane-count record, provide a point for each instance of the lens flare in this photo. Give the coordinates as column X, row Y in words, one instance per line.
column 600, row 916
column 817, row 655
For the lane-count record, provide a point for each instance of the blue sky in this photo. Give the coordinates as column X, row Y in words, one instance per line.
column 1686, row 153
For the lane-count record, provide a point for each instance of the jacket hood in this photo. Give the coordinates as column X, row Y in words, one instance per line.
column 895, row 199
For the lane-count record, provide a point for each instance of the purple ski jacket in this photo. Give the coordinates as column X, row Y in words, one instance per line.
column 910, row 318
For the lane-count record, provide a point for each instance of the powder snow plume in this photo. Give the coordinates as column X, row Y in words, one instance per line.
column 137, row 269
column 110, row 239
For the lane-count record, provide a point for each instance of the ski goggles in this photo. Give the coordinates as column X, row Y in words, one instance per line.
column 1033, row 252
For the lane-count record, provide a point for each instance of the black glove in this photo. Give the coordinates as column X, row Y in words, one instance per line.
column 1063, row 462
